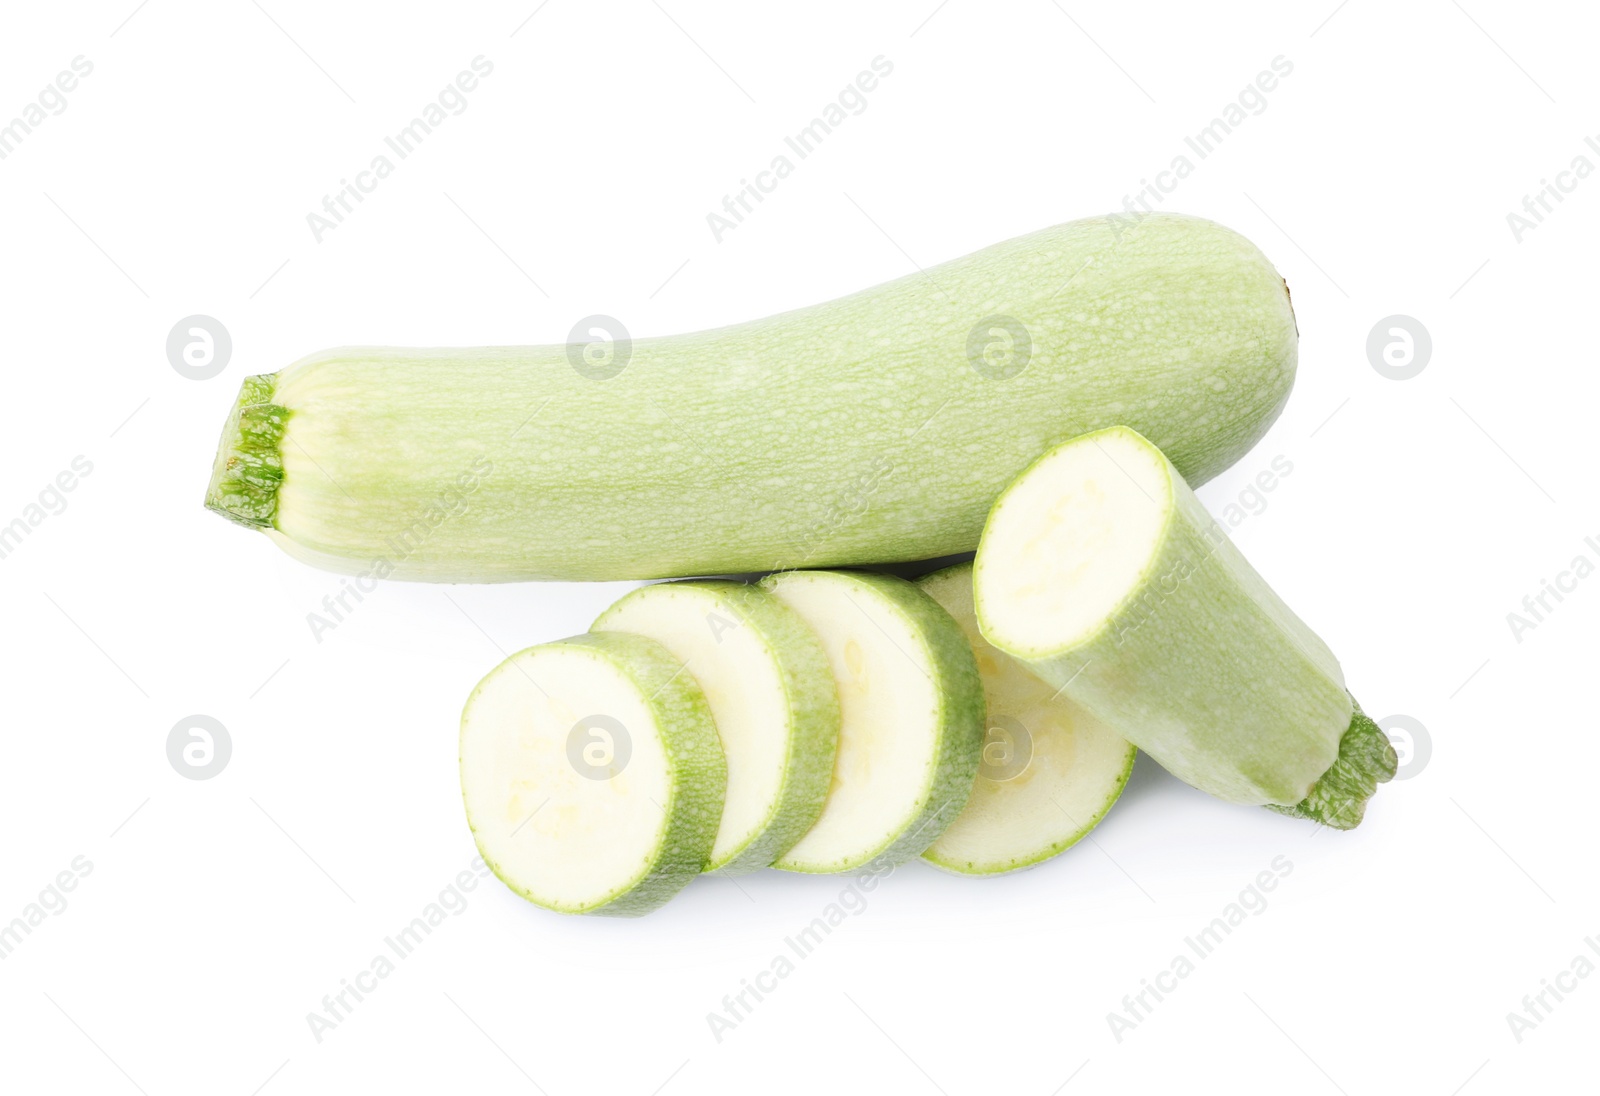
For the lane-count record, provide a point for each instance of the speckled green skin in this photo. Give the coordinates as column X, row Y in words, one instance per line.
column 948, row 660
column 852, row 432
column 699, row 775
column 812, row 700
column 1205, row 668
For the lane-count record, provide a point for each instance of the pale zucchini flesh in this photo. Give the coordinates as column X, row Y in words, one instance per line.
column 911, row 718
column 874, row 428
column 772, row 696
column 1050, row 769
column 592, row 774
column 1100, row 569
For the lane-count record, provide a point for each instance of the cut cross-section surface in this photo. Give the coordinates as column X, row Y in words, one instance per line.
column 592, row 775
column 1050, row 770
column 911, row 718
column 772, row 696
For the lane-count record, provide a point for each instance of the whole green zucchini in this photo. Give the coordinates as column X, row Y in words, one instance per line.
column 876, row 428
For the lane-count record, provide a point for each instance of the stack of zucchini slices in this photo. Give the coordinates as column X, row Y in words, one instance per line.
column 983, row 718
column 819, row 721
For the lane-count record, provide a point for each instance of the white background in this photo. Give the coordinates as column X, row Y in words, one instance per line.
column 1418, row 514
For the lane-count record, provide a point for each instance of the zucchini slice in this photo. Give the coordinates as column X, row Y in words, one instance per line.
column 911, row 718
column 772, row 696
column 1050, row 770
column 592, row 774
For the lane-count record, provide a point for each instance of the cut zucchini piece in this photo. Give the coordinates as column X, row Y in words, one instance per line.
column 592, row 774
column 911, row 718
column 1101, row 570
column 772, row 697
column 1050, row 769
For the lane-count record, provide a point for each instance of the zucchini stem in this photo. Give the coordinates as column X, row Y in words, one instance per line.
column 249, row 465
column 1339, row 797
